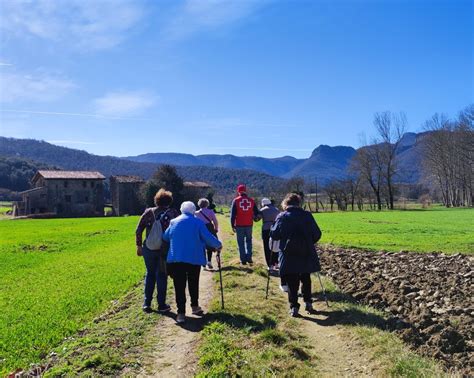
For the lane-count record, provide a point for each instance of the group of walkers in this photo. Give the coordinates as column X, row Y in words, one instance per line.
column 179, row 243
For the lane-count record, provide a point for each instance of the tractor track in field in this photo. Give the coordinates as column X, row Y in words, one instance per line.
column 429, row 297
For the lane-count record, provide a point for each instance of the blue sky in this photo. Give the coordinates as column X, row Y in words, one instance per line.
column 266, row 78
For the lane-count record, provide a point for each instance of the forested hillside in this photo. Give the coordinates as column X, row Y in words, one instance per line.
column 15, row 173
column 19, row 153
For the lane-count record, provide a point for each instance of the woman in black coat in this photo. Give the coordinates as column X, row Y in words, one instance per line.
column 297, row 232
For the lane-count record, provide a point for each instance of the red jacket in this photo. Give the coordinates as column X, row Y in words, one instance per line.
column 243, row 211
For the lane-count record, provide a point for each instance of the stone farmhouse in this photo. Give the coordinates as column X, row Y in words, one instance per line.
column 125, row 192
column 63, row 194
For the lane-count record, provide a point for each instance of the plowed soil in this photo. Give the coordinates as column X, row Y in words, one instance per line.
column 429, row 298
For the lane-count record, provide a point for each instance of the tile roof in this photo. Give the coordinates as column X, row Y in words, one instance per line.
column 78, row 175
column 124, row 179
column 197, row 184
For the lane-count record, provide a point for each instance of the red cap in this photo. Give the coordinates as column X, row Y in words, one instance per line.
column 241, row 188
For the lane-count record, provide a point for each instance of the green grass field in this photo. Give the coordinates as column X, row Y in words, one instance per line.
column 444, row 230
column 4, row 208
column 57, row 275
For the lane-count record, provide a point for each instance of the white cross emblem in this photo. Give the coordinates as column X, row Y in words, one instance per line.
column 245, row 204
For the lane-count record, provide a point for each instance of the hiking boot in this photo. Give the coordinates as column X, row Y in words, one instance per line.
column 309, row 307
column 250, row 261
column 147, row 309
column 209, row 265
column 197, row 310
column 163, row 309
column 284, row 288
column 180, row 319
column 294, row 312
column 243, row 263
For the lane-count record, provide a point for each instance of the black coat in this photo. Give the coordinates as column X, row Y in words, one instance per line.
column 297, row 232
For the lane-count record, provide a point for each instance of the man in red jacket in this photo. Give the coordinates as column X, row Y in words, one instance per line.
column 242, row 214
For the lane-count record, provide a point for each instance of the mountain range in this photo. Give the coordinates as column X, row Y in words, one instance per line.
column 325, row 163
column 222, row 171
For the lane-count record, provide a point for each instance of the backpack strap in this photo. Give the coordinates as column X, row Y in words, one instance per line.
column 205, row 216
column 158, row 216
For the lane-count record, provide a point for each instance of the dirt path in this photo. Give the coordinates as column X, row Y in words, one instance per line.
column 174, row 351
column 175, row 345
column 339, row 354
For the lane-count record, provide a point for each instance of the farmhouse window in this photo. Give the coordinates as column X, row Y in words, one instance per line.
column 84, row 184
column 86, row 199
column 67, row 198
column 65, row 184
column 92, row 184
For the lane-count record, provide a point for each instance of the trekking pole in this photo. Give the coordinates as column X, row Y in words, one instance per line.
column 324, row 291
column 218, row 257
column 268, row 283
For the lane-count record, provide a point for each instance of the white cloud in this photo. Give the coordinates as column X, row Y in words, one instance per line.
column 119, row 104
column 84, row 24
column 198, row 15
column 16, row 87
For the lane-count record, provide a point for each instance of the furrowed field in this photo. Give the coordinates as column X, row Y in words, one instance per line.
column 57, row 275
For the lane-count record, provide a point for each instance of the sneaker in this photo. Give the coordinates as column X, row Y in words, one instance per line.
column 147, row 309
column 197, row 310
column 309, row 307
column 294, row 312
column 209, row 265
column 284, row 288
column 180, row 319
column 163, row 309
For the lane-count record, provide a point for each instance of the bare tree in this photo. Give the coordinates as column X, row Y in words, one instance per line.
column 368, row 163
column 390, row 128
column 448, row 156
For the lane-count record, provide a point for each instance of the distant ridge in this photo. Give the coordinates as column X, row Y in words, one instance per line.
column 222, row 171
column 70, row 159
column 325, row 163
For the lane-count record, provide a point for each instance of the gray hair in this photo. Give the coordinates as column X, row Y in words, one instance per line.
column 203, row 202
column 188, row 207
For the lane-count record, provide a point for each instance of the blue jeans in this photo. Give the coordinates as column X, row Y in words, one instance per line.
column 244, row 240
column 154, row 276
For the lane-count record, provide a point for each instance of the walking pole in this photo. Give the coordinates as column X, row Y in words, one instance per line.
column 324, row 291
column 268, row 282
column 218, row 257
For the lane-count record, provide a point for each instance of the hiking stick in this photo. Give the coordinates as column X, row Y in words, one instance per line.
column 268, row 283
column 324, row 291
column 218, row 257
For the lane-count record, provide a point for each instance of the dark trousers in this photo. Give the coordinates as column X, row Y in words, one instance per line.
column 154, row 277
column 209, row 254
column 183, row 273
column 293, row 282
column 270, row 257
